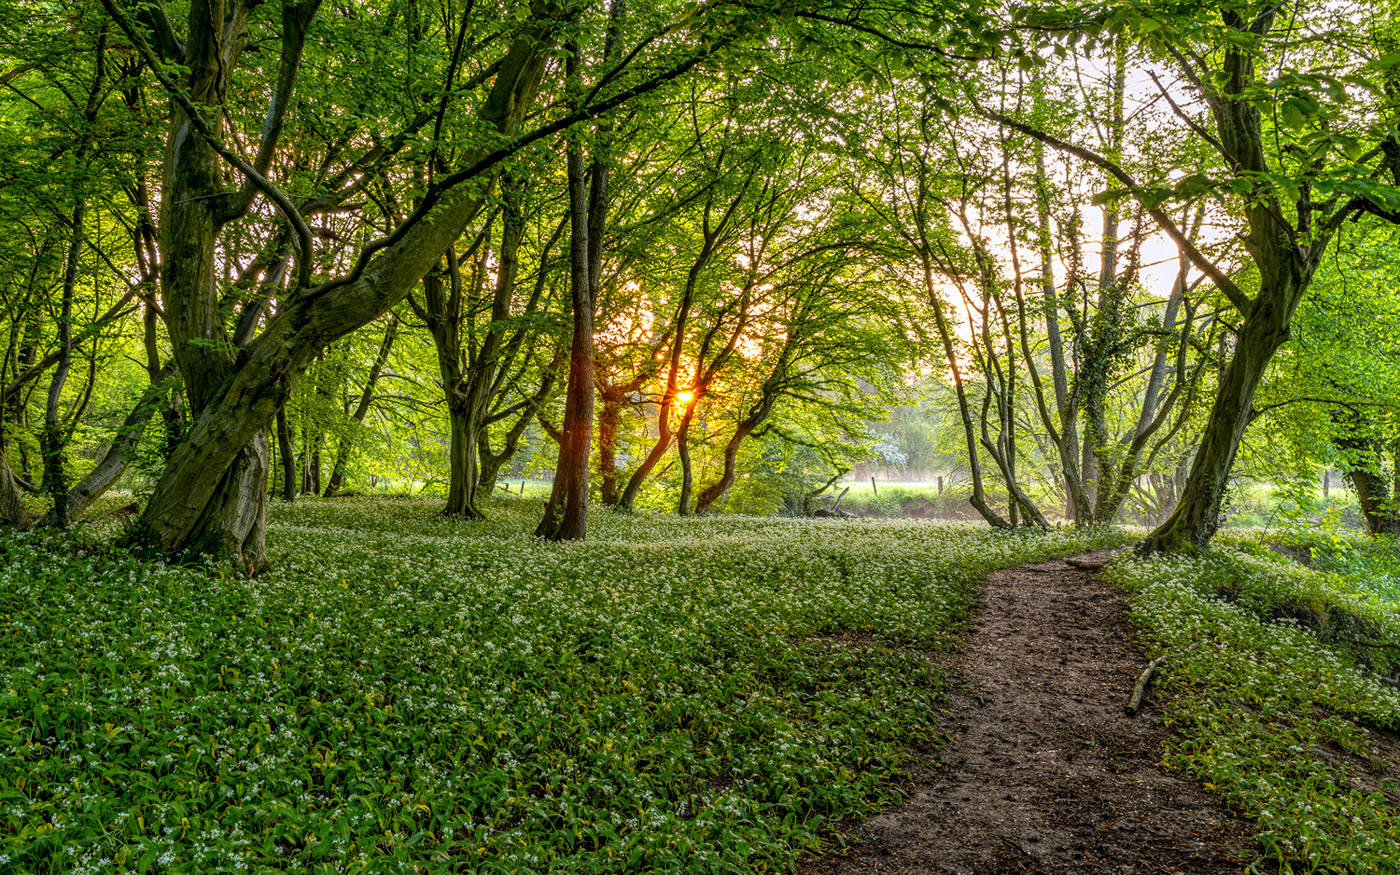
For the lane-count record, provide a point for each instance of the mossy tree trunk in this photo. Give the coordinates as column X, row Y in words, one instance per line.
column 12, row 513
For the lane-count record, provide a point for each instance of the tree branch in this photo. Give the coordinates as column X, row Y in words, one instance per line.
column 1226, row 285
column 273, row 193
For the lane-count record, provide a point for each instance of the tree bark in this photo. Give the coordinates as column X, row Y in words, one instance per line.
column 1286, row 258
column 612, row 399
column 491, row 462
column 664, row 432
column 1376, row 501
column 978, row 498
column 462, row 463
column 442, row 312
column 1106, row 329
column 711, row 494
column 566, row 513
column 1066, row 412
column 756, row 415
column 52, row 440
column 485, row 364
column 311, row 476
column 286, row 454
column 12, row 513
column 1197, row 517
column 683, row 452
column 1157, row 402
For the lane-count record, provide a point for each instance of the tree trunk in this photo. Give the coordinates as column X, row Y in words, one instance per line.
column 470, row 409
column 566, row 513
column 52, row 441
column 1286, row 264
column 304, row 475
column 114, row 463
column 462, row 462
column 1197, row 517
column 945, row 334
column 710, row 495
column 609, row 420
column 1106, row 329
column 1156, row 404
column 1375, row 494
column 287, row 455
column 683, row 450
column 1376, row 502
column 492, row 462
column 12, row 513
column 235, row 524
column 312, row 484
column 362, row 406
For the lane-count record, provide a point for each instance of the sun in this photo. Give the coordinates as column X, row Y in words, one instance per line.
column 684, row 397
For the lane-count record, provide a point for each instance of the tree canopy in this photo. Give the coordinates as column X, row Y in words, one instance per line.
column 671, row 254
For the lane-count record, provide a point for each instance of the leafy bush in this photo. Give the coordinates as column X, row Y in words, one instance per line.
column 408, row 693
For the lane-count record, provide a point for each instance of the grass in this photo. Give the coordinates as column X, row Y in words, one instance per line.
column 1274, row 709
column 406, row 693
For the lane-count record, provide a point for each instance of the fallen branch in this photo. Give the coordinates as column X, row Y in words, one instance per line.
column 123, row 513
column 837, row 506
column 1145, row 678
column 835, row 510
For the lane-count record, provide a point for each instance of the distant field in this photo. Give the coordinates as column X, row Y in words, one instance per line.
column 908, row 485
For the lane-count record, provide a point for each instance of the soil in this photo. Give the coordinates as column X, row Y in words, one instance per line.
column 1043, row 771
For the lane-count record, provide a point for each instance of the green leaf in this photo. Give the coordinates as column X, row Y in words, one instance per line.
column 1108, row 196
column 1292, row 113
column 1385, row 62
column 1193, row 185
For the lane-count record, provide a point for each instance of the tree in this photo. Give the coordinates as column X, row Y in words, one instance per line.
column 1330, row 398
column 1297, row 145
column 211, row 496
column 566, row 512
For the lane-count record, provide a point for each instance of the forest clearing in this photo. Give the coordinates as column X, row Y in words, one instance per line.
column 699, row 436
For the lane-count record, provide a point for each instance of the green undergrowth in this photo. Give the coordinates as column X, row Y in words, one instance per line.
column 1282, row 703
column 406, row 693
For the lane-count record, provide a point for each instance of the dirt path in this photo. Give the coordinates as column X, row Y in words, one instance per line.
column 1044, row 773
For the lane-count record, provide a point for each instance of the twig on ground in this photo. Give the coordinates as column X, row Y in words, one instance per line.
column 1140, row 688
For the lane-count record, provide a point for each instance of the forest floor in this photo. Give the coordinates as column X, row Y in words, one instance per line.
column 1043, row 771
